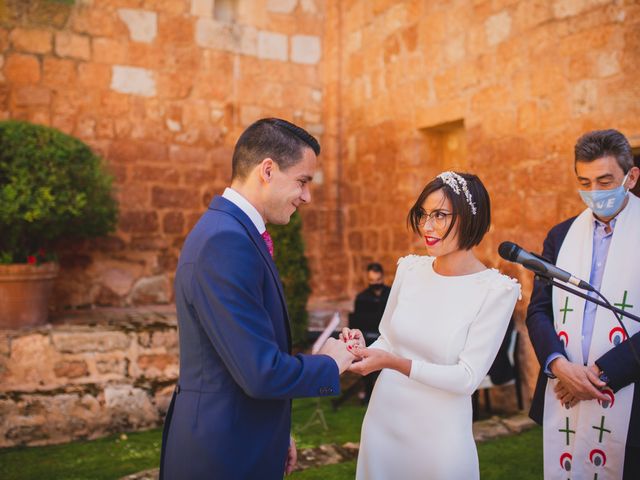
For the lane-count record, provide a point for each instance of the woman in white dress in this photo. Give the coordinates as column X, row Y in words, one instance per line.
column 442, row 327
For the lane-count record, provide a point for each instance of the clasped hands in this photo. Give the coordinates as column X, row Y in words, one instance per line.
column 351, row 353
column 366, row 360
column 576, row 382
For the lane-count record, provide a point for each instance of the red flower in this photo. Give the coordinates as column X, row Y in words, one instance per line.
column 31, row 260
column 41, row 252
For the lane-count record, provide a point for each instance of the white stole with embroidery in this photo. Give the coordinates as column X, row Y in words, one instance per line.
column 588, row 440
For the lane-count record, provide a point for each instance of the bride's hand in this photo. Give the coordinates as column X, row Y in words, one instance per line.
column 371, row 360
column 352, row 336
column 374, row 359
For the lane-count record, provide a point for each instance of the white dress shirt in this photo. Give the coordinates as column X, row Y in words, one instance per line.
column 244, row 205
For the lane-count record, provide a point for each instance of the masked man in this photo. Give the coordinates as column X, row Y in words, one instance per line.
column 588, row 392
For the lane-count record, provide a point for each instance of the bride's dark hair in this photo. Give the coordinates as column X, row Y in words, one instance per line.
column 473, row 227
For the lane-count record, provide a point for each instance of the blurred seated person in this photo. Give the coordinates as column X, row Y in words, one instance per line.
column 368, row 309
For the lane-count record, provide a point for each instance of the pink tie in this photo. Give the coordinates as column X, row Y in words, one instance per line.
column 269, row 241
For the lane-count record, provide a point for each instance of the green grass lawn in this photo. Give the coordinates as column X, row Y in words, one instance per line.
column 113, row 457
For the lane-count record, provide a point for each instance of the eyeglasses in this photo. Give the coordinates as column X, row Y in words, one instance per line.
column 438, row 218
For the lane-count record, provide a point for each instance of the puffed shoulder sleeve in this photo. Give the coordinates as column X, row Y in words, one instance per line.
column 484, row 337
column 404, row 263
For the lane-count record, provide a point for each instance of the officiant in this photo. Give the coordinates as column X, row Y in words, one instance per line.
column 588, row 392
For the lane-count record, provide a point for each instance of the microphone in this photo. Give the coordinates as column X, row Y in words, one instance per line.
column 512, row 252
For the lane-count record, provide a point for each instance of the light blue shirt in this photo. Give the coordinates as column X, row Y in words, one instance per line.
column 601, row 243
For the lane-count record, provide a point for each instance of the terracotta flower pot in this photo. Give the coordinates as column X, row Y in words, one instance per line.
column 24, row 293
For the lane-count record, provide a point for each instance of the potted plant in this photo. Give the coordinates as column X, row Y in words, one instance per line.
column 52, row 188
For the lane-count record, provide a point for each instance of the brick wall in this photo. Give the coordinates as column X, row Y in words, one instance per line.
column 87, row 375
column 498, row 88
column 161, row 89
column 397, row 91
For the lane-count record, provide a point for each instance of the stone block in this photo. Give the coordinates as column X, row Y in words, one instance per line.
column 79, row 342
column 210, row 33
column 110, row 51
column 112, row 366
column 94, row 75
column 272, row 46
column 130, row 406
column 184, row 155
column 71, row 368
column 24, row 368
column 202, row 8
column 138, row 221
column 151, row 291
column 142, row 24
column 31, row 40
column 158, row 365
column 96, row 22
column 150, row 173
column 173, row 223
column 31, row 95
column 607, row 64
column 68, row 44
column 281, row 6
column 164, row 197
column 167, row 339
column 570, row 8
column 58, row 72
column 133, row 80
column 306, row 49
column 309, row 6
column 498, row 27
column 22, row 69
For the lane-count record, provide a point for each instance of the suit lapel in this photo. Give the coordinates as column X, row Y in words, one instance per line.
column 222, row 204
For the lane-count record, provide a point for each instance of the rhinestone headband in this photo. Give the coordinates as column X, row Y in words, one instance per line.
column 458, row 184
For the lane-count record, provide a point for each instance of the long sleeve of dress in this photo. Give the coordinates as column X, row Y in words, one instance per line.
column 484, row 337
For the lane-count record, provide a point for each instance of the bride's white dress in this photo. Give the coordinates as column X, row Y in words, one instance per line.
column 419, row 427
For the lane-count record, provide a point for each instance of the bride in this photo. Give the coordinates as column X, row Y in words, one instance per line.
column 442, row 327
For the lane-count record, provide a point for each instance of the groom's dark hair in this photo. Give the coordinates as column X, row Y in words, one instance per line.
column 273, row 138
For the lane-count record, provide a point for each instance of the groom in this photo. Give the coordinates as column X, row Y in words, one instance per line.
column 230, row 415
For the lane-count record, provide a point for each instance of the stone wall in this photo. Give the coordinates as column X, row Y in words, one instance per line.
column 162, row 90
column 499, row 88
column 396, row 91
column 87, row 375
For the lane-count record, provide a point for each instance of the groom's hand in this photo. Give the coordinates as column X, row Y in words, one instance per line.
column 339, row 352
column 292, row 457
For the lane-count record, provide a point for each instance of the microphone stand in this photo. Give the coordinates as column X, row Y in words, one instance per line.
column 615, row 310
column 608, row 306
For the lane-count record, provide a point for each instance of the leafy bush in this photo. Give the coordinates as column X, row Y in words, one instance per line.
column 294, row 272
column 52, row 188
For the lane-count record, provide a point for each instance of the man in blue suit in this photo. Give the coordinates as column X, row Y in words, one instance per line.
column 230, row 416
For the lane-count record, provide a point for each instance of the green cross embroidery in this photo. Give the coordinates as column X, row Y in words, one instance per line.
column 566, row 430
column 601, row 429
column 566, row 309
column 624, row 303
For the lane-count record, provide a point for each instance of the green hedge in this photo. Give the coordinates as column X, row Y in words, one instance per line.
column 294, row 272
column 52, row 188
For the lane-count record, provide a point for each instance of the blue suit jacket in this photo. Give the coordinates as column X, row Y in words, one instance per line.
column 230, row 416
column 618, row 363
